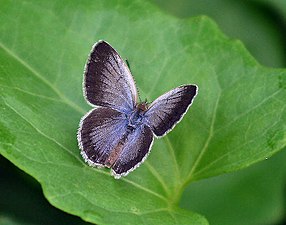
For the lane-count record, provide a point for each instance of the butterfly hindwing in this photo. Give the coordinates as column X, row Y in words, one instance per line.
column 99, row 133
column 108, row 81
column 169, row 108
column 135, row 150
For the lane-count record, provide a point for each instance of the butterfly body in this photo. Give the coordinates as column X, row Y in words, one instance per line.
column 137, row 116
column 119, row 133
column 134, row 121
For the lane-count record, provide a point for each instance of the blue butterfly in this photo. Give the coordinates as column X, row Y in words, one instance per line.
column 118, row 133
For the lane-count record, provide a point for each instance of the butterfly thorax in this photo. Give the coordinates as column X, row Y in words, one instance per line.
column 137, row 116
column 143, row 106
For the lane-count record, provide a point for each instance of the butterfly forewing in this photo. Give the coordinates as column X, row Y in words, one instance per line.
column 108, row 81
column 99, row 133
column 169, row 108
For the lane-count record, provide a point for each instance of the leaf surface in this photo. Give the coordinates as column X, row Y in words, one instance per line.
column 237, row 119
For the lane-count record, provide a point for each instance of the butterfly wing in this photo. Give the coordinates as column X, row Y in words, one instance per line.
column 167, row 110
column 99, row 133
column 108, row 81
column 135, row 151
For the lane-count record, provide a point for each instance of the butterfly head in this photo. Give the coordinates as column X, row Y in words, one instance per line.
column 143, row 106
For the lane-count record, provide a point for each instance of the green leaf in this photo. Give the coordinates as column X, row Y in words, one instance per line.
column 237, row 119
column 18, row 187
column 255, row 192
column 278, row 5
column 265, row 41
column 255, row 195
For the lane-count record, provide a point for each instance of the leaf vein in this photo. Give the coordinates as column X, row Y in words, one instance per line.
column 248, row 111
column 158, row 177
column 42, row 133
column 42, row 78
column 205, row 147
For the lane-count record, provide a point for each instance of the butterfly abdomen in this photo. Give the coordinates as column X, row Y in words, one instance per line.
column 114, row 154
column 134, row 122
column 117, row 150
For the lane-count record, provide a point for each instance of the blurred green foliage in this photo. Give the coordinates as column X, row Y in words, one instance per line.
column 234, row 198
column 260, row 24
column 22, row 201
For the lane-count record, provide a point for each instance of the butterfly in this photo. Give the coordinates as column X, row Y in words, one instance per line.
column 119, row 131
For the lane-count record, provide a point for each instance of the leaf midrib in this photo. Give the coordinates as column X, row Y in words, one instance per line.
column 205, row 147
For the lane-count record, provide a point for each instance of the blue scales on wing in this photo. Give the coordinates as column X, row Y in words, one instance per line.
column 108, row 81
column 99, row 133
column 168, row 109
column 135, row 150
